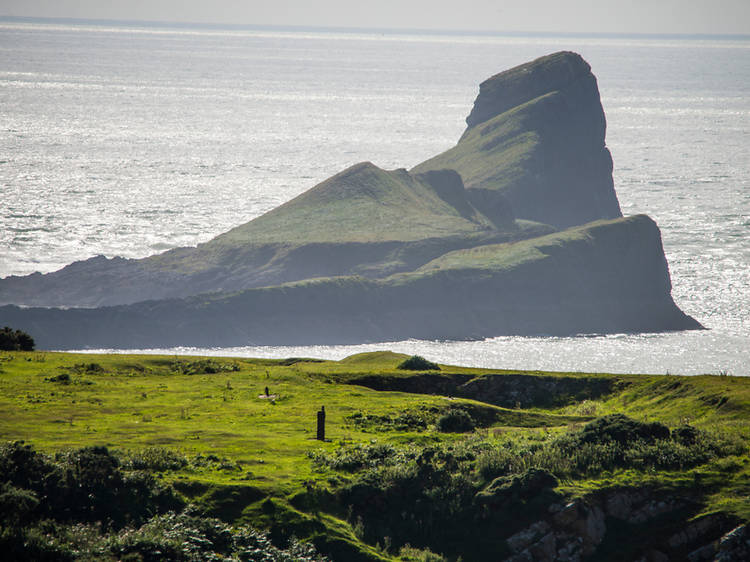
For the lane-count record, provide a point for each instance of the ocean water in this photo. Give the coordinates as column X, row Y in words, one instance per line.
column 124, row 140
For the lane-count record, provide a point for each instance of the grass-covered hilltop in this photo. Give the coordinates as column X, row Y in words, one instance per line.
column 515, row 230
column 124, row 457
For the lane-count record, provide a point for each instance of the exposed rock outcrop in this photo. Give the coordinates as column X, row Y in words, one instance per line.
column 509, row 391
column 582, row 528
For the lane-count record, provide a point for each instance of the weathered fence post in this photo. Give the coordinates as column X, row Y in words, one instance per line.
column 322, row 424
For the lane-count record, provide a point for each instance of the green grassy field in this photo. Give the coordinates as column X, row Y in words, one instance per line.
column 243, row 449
column 129, row 402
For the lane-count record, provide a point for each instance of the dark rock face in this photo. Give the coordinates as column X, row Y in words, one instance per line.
column 583, row 530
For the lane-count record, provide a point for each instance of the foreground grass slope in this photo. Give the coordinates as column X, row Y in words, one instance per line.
column 418, row 465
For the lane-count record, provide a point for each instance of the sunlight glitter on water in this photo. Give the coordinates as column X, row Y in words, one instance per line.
column 129, row 143
column 685, row 353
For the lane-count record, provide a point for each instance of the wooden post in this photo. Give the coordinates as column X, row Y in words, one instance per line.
column 322, row 424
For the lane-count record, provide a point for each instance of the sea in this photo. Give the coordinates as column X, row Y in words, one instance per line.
column 127, row 139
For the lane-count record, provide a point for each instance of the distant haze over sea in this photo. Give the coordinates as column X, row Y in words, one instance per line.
column 120, row 139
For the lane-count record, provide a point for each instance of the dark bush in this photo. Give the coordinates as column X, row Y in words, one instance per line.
column 86, row 485
column 203, row 367
column 184, row 536
column 686, row 435
column 22, row 467
column 455, row 421
column 506, row 489
column 16, row 505
column 418, row 363
column 157, row 459
column 171, row 537
column 81, row 505
column 21, row 544
column 356, row 457
column 441, row 495
column 622, row 429
column 15, row 340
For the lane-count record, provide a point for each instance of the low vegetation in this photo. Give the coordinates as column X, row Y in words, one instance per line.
column 152, row 457
column 418, row 363
column 83, row 504
column 15, row 340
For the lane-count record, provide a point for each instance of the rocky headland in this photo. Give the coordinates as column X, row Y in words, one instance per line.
column 515, row 230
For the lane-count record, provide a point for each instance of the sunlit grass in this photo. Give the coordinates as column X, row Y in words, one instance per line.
column 264, row 445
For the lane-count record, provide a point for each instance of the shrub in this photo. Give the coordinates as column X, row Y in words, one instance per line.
column 15, row 340
column 621, row 442
column 16, row 505
column 410, row 554
column 203, row 367
column 32, row 543
column 507, row 489
column 622, row 429
column 83, row 486
column 158, row 459
column 686, row 434
column 455, row 421
column 81, row 505
column 63, row 378
column 357, row 457
column 22, row 467
column 498, row 461
column 89, row 368
column 185, row 536
column 418, row 363
column 171, row 537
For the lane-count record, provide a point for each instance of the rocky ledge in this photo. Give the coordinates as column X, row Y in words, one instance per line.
column 579, row 530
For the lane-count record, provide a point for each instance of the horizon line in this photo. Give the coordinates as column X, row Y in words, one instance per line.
column 369, row 30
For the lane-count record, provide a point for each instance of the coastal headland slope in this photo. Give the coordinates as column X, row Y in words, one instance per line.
column 459, row 247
